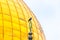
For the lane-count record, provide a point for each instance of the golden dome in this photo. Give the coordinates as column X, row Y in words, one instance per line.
column 14, row 15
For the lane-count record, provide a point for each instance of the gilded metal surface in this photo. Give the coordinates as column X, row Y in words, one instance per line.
column 14, row 15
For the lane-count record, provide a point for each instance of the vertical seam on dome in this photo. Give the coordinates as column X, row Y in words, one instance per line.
column 21, row 9
column 11, row 18
column 18, row 18
column 2, row 21
column 26, row 9
column 22, row 13
column 20, row 28
column 27, row 15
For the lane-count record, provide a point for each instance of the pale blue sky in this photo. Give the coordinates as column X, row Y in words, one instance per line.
column 48, row 14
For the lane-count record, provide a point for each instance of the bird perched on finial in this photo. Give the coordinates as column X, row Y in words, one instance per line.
column 30, row 19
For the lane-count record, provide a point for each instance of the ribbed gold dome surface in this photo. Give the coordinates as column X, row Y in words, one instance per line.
column 14, row 15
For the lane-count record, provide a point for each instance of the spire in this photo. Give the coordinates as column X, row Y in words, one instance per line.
column 30, row 24
column 30, row 27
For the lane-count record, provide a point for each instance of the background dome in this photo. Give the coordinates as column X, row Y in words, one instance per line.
column 14, row 15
